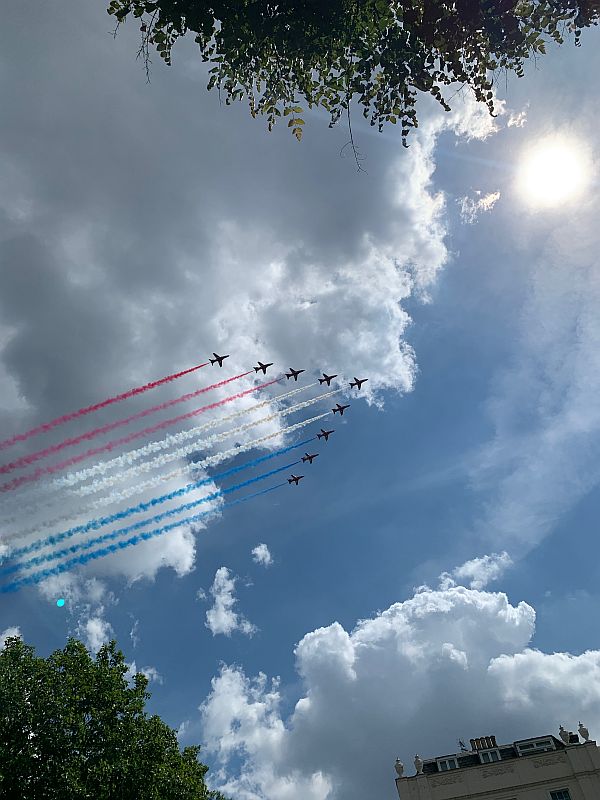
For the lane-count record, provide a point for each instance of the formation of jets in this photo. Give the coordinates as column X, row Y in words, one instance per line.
column 294, row 373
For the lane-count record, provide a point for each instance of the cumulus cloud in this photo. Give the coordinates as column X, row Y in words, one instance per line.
column 262, row 555
column 446, row 662
column 95, row 631
column 478, row 571
column 7, row 633
column 221, row 617
column 471, row 207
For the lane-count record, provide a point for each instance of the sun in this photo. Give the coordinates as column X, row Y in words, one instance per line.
column 552, row 172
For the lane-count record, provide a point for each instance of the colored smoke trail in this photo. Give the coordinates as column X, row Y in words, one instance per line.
column 95, row 524
column 24, row 461
column 32, row 562
column 156, row 481
column 205, row 462
column 127, row 459
column 182, row 452
column 84, row 559
column 48, row 426
column 16, row 482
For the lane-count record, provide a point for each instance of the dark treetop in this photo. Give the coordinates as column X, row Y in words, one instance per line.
column 283, row 54
column 72, row 728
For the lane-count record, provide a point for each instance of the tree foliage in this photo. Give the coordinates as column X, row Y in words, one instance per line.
column 382, row 52
column 72, row 728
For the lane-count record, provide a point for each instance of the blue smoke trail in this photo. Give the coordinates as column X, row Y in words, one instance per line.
column 32, row 562
column 95, row 524
column 83, row 559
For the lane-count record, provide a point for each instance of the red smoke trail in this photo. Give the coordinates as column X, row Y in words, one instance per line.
column 33, row 476
column 47, row 426
column 55, row 448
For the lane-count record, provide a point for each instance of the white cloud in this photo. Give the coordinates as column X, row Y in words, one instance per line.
column 150, row 672
column 470, row 207
column 517, row 119
column 95, row 631
column 262, row 555
column 444, row 663
column 6, row 634
column 182, row 729
column 221, row 617
column 133, row 633
column 479, row 571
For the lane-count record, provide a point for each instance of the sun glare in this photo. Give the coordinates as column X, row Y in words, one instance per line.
column 552, row 172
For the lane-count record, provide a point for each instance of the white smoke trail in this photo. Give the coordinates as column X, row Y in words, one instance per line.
column 173, row 439
column 182, row 452
column 128, row 458
column 206, row 462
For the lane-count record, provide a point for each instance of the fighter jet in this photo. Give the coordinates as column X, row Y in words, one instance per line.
column 295, row 479
column 324, row 434
column 216, row 358
column 340, row 408
column 263, row 367
column 293, row 373
column 327, row 379
column 358, row 382
column 309, row 457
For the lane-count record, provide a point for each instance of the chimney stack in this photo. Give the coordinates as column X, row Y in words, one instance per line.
column 483, row 743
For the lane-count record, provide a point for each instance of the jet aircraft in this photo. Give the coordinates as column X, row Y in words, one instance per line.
column 309, row 457
column 324, row 434
column 295, row 479
column 293, row 373
column 340, row 408
column 263, row 367
column 216, row 358
column 358, row 382
column 327, row 379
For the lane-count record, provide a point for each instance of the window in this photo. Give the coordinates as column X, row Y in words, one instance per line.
column 488, row 756
column 560, row 794
column 445, row 764
column 534, row 746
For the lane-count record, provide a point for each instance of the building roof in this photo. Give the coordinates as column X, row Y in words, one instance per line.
column 508, row 751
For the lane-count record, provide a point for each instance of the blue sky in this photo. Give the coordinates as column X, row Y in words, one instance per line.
column 143, row 227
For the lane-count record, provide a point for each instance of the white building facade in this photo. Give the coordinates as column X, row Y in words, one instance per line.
column 541, row 768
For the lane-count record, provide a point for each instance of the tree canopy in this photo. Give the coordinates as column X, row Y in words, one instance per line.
column 72, row 728
column 284, row 54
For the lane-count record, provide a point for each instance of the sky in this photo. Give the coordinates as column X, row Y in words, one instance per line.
column 434, row 576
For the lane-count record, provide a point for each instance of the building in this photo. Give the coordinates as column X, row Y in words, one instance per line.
column 541, row 768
